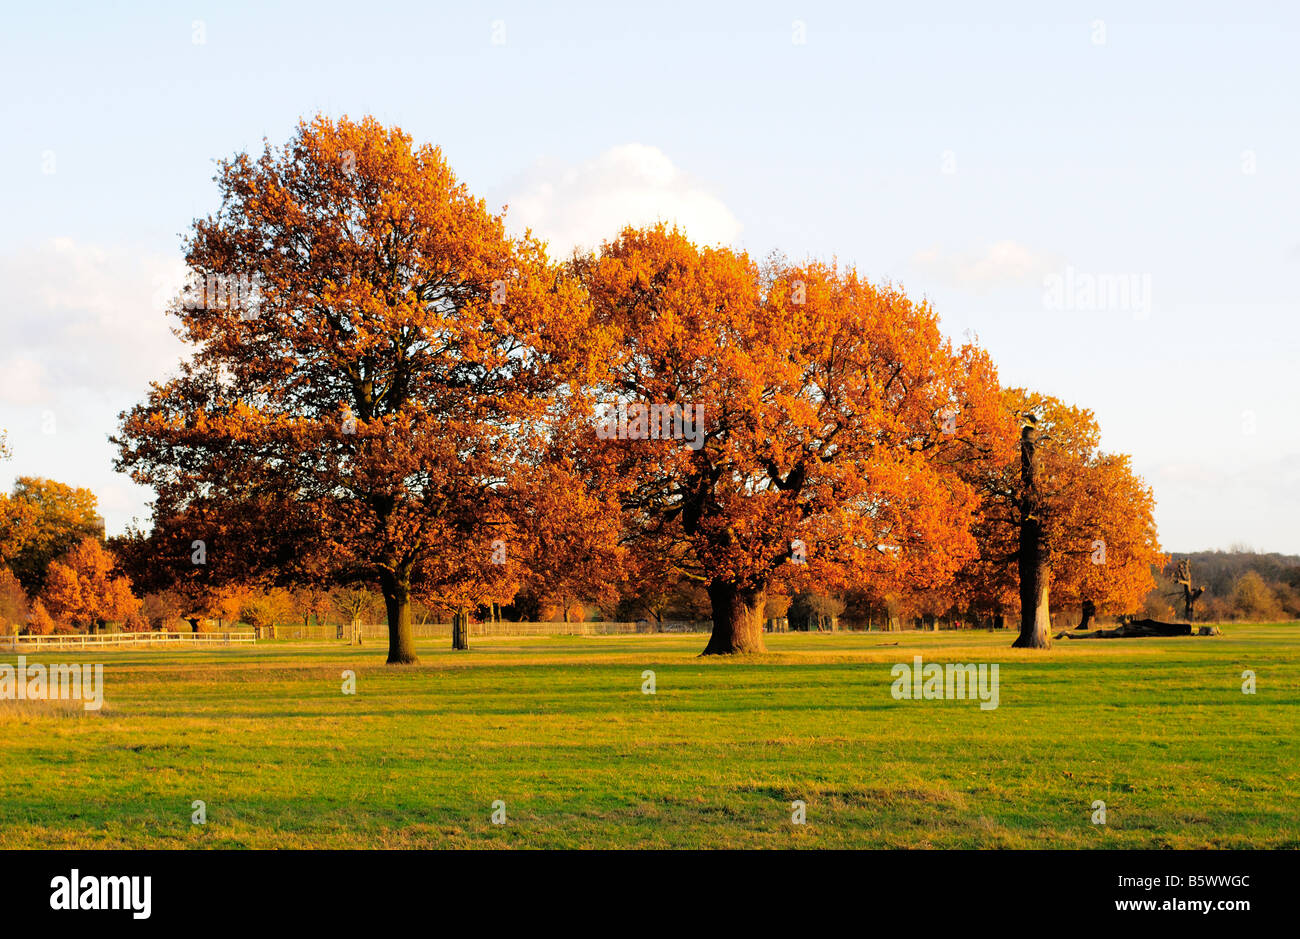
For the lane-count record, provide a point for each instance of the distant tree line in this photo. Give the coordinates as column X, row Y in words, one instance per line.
column 1238, row 584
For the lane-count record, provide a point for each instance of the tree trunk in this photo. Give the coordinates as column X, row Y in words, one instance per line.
column 737, row 619
column 1087, row 612
column 397, row 603
column 460, row 629
column 1036, row 630
column 1035, row 615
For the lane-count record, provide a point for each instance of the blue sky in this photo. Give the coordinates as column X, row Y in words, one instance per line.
column 977, row 157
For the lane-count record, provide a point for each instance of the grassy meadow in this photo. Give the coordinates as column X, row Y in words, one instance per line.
column 559, row 729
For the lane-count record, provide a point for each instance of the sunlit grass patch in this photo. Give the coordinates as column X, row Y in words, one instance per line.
column 560, row 730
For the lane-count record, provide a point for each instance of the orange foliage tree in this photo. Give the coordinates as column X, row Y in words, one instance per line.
column 41, row 623
column 15, row 609
column 83, row 589
column 1093, row 514
column 571, row 550
column 1108, row 567
column 360, row 393
column 781, row 425
column 42, row 520
column 188, row 578
column 17, row 526
column 61, row 596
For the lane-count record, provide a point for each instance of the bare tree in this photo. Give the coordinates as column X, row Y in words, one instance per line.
column 1190, row 594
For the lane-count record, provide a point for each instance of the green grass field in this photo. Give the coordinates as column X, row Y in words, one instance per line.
column 560, row 730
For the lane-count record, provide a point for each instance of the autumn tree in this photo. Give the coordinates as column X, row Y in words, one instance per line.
column 14, row 606
column 17, row 527
column 653, row 591
column 815, row 611
column 162, row 610
column 358, row 410
column 569, row 546
column 180, row 571
column 1108, row 569
column 779, row 425
column 777, row 606
column 42, row 520
column 40, row 622
column 60, row 597
column 355, row 603
column 84, row 589
column 265, row 609
column 312, row 600
column 1253, row 599
column 1058, row 514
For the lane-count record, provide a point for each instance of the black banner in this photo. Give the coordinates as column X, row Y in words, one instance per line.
column 147, row 890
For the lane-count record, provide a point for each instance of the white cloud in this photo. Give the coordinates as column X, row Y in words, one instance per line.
column 633, row 184
column 1000, row 264
column 21, row 380
column 84, row 318
column 84, row 332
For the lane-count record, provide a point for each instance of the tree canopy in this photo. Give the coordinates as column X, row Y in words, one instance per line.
column 825, row 421
column 361, row 412
column 388, row 388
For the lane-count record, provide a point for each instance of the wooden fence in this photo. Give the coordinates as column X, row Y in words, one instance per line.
column 369, row 631
column 443, row 630
column 101, row 640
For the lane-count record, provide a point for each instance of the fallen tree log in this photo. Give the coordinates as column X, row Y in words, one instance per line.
column 1139, row 629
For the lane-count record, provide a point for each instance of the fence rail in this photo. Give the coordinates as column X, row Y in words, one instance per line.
column 99, row 640
column 443, row 630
